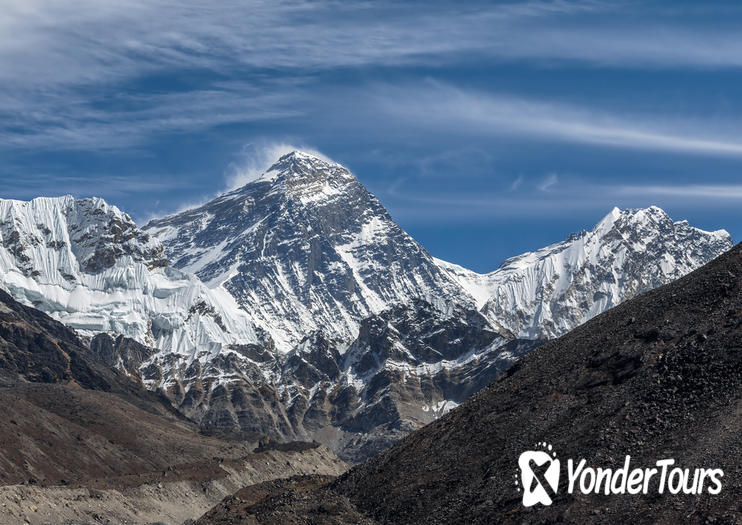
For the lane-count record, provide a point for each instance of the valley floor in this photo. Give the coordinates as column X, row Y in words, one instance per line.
column 172, row 496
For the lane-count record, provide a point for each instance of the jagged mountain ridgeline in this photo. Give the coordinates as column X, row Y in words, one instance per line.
column 545, row 294
column 296, row 307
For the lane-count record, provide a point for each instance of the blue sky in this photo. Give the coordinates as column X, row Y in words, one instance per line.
column 486, row 128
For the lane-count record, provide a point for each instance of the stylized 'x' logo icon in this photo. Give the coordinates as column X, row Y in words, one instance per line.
column 539, row 477
column 539, row 471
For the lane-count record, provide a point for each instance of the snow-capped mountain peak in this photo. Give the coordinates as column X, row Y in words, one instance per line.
column 87, row 264
column 90, row 234
column 298, row 165
column 543, row 294
column 297, row 307
column 303, row 247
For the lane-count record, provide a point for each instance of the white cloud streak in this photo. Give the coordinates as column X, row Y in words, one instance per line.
column 107, row 185
column 415, row 203
column 722, row 192
column 67, row 119
column 549, row 182
column 505, row 115
column 88, row 41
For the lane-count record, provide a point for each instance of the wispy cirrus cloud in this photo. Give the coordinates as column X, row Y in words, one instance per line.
column 425, row 209
column 87, row 41
column 549, row 182
column 110, row 41
column 70, row 120
column 516, row 183
column 480, row 112
column 108, row 185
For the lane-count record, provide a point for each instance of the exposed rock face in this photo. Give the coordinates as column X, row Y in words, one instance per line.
column 406, row 367
column 122, row 353
column 36, row 349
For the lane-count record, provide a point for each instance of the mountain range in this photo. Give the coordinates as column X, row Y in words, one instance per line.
column 296, row 307
column 657, row 378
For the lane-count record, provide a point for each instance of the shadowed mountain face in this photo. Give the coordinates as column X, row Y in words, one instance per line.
column 37, row 349
column 69, row 416
column 657, row 377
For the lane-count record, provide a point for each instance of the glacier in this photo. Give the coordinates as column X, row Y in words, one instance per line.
column 86, row 264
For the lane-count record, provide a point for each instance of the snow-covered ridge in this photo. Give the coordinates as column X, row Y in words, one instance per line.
column 544, row 294
column 86, row 264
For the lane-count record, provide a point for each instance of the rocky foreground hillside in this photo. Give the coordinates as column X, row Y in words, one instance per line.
column 657, row 377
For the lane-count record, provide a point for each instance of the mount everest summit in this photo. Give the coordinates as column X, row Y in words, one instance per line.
column 304, row 247
column 295, row 306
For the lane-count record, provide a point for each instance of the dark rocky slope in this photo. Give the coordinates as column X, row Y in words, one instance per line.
column 657, row 377
column 284, row 501
column 67, row 416
column 36, row 349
